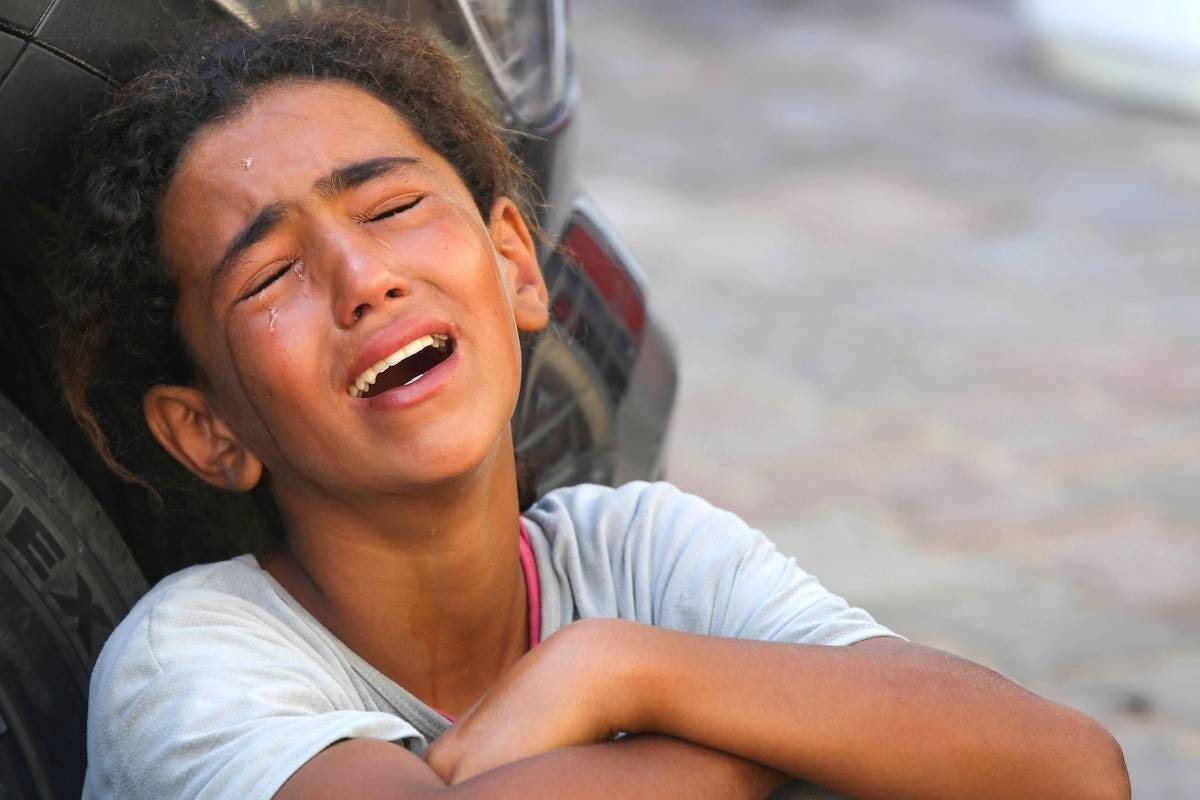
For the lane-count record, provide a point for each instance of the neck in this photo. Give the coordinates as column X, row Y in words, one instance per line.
column 427, row 587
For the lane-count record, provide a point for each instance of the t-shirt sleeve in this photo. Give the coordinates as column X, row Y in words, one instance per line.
column 649, row 552
column 203, row 695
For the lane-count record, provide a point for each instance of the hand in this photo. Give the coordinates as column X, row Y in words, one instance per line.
column 574, row 688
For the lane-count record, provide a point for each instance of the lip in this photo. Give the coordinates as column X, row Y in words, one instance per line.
column 391, row 339
column 414, row 393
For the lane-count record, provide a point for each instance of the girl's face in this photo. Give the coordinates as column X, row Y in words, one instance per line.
column 314, row 235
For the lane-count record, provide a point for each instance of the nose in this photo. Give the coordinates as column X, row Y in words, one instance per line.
column 365, row 274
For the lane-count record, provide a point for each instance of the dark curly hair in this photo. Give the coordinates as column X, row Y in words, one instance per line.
column 115, row 296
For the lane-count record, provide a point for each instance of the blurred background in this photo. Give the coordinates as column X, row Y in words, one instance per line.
column 932, row 270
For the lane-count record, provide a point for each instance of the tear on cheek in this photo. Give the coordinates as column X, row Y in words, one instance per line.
column 272, row 315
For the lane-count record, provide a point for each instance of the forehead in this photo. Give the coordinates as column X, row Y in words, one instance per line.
column 272, row 150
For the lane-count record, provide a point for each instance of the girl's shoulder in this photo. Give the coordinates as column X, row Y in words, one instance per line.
column 651, row 553
column 184, row 599
column 641, row 551
column 655, row 517
column 640, row 504
column 201, row 614
column 218, row 654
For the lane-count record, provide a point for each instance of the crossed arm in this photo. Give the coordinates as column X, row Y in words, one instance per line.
column 713, row 717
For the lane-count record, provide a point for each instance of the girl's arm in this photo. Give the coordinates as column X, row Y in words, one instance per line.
column 882, row 718
column 637, row 767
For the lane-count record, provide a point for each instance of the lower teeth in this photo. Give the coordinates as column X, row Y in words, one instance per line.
column 414, row 379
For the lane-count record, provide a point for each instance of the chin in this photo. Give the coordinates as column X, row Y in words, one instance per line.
column 446, row 461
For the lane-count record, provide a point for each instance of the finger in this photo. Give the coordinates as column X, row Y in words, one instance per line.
column 478, row 762
column 464, row 751
column 442, row 755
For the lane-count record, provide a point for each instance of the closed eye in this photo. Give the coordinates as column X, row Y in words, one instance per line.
column 279, row 273
column 391, row 212
column 274, row 276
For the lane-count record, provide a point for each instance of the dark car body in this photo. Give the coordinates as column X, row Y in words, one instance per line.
column 596, row 396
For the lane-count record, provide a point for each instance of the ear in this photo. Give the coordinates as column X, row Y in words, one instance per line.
column 514, row 244
column 184, row 423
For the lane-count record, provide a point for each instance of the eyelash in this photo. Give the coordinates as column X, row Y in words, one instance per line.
column 392, row 211
column 279, row 273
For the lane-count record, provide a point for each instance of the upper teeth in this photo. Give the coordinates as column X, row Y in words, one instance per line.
column 367, row 378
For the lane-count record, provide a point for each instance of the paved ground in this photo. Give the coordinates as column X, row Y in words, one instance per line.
column 939, row 324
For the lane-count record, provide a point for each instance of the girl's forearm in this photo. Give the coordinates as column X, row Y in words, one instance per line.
column 635, row 767
column 879, row 719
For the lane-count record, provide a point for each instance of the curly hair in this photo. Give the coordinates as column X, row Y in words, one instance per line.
column 115, row 297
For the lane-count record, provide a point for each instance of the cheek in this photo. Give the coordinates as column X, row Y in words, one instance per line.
column 455, row 248
column 449, row 228
column 274, row 346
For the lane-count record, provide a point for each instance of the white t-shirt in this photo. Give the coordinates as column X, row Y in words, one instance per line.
column 218, row 684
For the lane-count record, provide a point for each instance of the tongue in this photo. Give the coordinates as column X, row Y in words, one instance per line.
column 417, row 364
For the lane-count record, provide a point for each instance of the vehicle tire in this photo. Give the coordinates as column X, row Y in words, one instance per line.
column 66, row 579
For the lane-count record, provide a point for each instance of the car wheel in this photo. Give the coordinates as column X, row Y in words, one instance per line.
column 66, row 579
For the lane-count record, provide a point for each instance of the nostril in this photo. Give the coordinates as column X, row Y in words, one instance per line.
column 358, row 311
column 394, row 293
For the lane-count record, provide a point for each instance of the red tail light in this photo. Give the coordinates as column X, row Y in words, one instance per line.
column 610, row 278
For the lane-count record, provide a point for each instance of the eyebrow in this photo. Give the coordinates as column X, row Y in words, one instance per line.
column 267, row 219
column 345, row 178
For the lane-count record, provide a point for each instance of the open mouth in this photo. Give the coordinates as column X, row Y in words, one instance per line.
column 403, row 367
